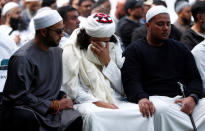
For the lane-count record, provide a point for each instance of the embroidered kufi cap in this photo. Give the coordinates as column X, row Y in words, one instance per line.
column 99, row 25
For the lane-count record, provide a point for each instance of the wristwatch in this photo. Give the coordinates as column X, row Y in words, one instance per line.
column 195, row 97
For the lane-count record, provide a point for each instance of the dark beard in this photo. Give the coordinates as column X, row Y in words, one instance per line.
column 17, row 24
column 49, row 41
column 186, row 21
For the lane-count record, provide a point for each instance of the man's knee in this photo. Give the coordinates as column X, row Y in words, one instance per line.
column 19, row 119
column 76, row 125
column 161, row 109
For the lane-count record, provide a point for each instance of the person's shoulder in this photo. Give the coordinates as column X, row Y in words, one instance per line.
column 136, row 45
column 188, row 33
column 176, row 43
column 57, row 49
column 200, row 48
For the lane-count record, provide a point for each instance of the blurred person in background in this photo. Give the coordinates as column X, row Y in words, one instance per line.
column 183, row 10
column 74, row 3
column 14, row 25
column 147, row 6
column 70, row 22
column 102, row 6
column 125, row 27
column 31, row 7
column 84, row 9
column 119, row 11
column 196, row 33
column 49, row 3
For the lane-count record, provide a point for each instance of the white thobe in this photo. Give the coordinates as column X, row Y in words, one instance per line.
column 7, row 48
column 24, row 35
column 168, row 116
column 199, row 55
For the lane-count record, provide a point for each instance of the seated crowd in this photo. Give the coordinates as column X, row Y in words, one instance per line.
column 79, row 69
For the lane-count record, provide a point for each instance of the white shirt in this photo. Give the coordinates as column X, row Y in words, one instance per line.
column 7, row 48
column 199, row 54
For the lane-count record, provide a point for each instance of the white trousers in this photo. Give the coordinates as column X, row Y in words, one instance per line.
column 168, row 116
column 126, row 118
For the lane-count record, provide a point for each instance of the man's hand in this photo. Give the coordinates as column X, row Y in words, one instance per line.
column 105, row 105
column 65, row 104
column 188, row 104
column 101, row 52
column 146, row 107
column 17, row 39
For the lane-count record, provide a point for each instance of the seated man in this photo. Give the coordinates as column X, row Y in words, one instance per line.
column 91, row 74
column 34, row 79
column 152, row 68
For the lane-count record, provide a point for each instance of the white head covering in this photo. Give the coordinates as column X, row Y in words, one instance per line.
column 99, row 25
column 152, row 12
column 46, row 18
column 7, row 7
column 181, row 5
column 148, row 2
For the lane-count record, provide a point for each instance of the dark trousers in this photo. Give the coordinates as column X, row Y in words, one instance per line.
column 24, row 120
column 76, row 125
column 19, row 120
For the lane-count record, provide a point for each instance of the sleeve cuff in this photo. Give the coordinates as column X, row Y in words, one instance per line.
column 195, row 97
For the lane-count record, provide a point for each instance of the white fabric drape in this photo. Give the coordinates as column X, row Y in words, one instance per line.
column 199, row 53
column 168, row 116
column 75, row 64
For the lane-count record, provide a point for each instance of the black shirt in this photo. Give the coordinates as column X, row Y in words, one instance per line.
column 191, row 38
column 150, row 70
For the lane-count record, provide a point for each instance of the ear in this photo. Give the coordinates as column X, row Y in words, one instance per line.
column 129, row 11
column 200, row 17
column 147, row 24
column 44, row 32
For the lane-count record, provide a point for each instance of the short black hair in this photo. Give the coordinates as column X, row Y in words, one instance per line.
column 132, row 4
column 48, row 3
column 70, row 2
column 198, row 8
column 99, row 2
column 160, row 2
column 63, row 11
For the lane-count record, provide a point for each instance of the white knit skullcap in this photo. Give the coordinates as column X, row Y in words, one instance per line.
column 46, row 18
column 8, row 6
column 181, row 5
column 152, row 12
column 99, row 25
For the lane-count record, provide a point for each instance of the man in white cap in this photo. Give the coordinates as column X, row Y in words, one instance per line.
column 152, row 68
column 183, row 10
column 11, row 14
column 13, row 24
column 31, row 94
column 91, row 75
